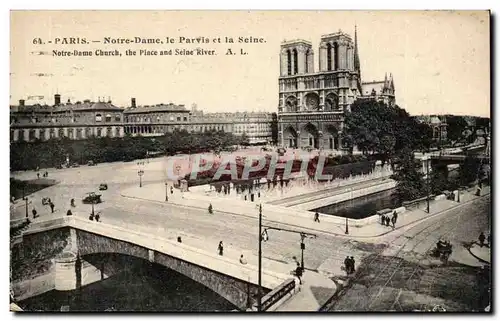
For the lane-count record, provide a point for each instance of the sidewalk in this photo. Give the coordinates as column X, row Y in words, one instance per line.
column 481, row 253
column 315, row 291
column 302, row 219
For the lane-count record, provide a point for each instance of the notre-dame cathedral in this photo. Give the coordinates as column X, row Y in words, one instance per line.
column 312, row 103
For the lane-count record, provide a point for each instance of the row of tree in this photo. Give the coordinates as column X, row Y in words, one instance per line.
column 54, row 152
column 182, row 141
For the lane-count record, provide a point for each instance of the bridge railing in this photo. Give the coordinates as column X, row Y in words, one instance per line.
column 277, row 294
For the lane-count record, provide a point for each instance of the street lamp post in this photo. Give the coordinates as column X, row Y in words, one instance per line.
column 92, row 208
column 259, row 297
column 140, row 173
column 25, row 199
column 427, row 160
column 166, row 192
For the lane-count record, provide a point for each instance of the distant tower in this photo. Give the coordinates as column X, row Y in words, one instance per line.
column 296, row 58
column 57, row 99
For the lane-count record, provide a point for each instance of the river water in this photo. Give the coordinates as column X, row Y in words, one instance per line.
column 362, row 207
column 145, row 287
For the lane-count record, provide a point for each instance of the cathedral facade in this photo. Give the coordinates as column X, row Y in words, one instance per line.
column 312, row 103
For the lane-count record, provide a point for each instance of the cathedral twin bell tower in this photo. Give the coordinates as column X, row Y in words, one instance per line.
column 312, row 104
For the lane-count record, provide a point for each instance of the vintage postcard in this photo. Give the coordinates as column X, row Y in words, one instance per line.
column 253, row 161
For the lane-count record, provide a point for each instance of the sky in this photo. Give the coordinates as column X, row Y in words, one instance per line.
column 440, row 60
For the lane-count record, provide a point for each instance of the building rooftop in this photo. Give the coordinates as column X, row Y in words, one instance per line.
column 156, row 108
column 78, row 106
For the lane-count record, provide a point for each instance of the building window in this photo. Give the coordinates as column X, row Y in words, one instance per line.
column 22, row 135
column 42, row 134
column 108, row 131
column 99, row 132
column 79, row 133
column 11, row 135
column 178, row 118
column 98, row 118
column 185, row 118
column 61, row 132
column 89, row 132
column 108, row 118
column 289, row 62
column 52, row 133
column 118, row 118
column 70, row 133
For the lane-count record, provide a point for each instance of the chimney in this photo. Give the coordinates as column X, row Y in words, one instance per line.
column 133, row 103
column 21, row 102
column 57, row 99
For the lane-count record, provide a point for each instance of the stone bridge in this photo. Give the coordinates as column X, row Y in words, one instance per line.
column 65, row 242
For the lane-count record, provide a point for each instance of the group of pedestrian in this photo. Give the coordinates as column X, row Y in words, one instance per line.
column 349, row 264
column 482, row 238
column 386, row 220
column 95, row 217
column 46, row 174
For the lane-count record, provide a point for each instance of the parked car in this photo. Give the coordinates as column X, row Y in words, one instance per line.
column 103, row 187
column 91, row 163
column 92, row 198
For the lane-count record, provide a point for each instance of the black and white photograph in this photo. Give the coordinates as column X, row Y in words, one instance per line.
column 250, row 161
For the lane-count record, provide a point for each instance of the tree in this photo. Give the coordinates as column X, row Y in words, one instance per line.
column 408, row 176
column 455, row 129
column 244, row 139
column 377, row 128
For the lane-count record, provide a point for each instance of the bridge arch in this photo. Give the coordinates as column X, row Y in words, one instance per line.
column 240, row 293
column 100, row 266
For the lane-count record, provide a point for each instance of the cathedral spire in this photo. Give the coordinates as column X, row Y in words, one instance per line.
column 357, row 66
column 391, row 83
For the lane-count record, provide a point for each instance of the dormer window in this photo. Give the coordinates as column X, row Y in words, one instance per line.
column 98, row 118
column 108, row 118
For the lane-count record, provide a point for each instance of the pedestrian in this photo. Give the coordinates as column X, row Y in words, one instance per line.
column 72, row 202
column 179, row 240
column 353, row 264
column 210, row 209
column 38, row 175
column 91, row 217
column 33, row 212
column 481, row 239
column 52, row 206
column 97, row 217
column 316, row 217
column 347, row 265
column 478, row 191
column 69, row 213
column 395, row 214
column 382, row 218
column 298, row 272
column 221, row 248
column 171, row 190
column 393, row 221
column 242, row 260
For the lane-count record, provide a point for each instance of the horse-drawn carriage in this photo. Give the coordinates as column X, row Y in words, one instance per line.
column 442, row 250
